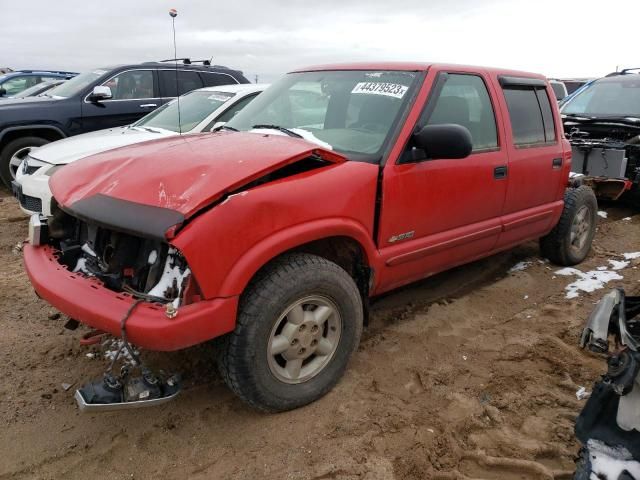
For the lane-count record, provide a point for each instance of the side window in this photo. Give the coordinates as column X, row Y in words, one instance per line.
column 215, row 79
column 15, row 85
column 234, row 109
column 547, row 115
column 531, row 115
column 133, row 84
column 464, row 100
column 187, row 81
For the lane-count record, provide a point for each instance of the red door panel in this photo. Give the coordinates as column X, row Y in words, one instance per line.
column 437, row 214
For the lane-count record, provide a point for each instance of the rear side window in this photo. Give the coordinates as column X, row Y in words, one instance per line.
column 464, row 100
column 215, row 79
column 187, row 81
column 531, row 115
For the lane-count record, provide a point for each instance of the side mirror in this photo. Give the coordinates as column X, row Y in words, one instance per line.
column 100, row 92
column 3, row 92
column 216, row 126
column 446, row 141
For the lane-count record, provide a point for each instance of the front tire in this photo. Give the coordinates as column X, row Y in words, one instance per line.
column 13, row 153
column 297, row 327
column 570, row 240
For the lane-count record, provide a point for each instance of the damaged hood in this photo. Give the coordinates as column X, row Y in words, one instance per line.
column 183, row 173
column 74, row 148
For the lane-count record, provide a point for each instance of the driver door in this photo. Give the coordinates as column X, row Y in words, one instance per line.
column 437, row 214
column 134, row 94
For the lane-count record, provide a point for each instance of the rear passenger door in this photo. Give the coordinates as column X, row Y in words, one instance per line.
column 535, row 159
column 174, row 83
column 440, row 213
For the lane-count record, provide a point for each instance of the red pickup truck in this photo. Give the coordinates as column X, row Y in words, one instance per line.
column 336, row 184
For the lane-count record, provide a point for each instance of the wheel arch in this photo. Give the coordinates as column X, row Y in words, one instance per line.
column 346, row 243
column 49, row 132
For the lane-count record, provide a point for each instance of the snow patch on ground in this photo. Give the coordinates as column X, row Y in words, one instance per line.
column 587, row 281
column 618, row 264
column 520, row 266
column 631, row 255
column 609, row 463
column 603, row 214
column 626, row 219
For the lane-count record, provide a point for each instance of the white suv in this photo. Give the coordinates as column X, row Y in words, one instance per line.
column 200, row 111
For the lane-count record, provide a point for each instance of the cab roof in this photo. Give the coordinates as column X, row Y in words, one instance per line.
column 416, row 67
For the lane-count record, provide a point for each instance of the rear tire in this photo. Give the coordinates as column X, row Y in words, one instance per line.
column 14, row 152
column 570, row 240
column 298, row 325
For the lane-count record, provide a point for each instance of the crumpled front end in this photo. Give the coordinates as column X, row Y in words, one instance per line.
column 607, row 157
column 93, row 273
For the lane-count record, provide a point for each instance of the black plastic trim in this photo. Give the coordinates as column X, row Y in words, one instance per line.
column 124, row 216
column 509, row 81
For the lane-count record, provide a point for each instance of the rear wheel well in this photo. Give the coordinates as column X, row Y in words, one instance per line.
column 46, row 133
column 344, row 252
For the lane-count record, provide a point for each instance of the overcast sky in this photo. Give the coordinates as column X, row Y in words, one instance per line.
column 270, row 37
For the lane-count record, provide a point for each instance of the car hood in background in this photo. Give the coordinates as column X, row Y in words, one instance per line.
column 71, row 149
column 182, row 173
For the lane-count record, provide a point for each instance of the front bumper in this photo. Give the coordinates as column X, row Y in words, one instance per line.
column 88, row 301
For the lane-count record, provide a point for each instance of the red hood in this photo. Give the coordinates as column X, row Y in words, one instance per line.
column 183, row 173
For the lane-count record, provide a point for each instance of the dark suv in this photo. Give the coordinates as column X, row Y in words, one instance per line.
column 101, row 98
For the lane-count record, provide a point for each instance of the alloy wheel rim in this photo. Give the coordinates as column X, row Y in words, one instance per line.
column 16, row 160
column 304, row 339
column 580, row 229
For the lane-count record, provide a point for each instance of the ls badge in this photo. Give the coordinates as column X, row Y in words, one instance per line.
column 402, row 236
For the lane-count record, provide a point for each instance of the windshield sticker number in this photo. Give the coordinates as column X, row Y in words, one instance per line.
column 378, row 88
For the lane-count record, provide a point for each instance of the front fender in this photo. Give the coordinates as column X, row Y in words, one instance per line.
column 259, row 255
column 227, row 244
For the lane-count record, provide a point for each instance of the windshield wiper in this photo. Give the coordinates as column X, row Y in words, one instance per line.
column 279, row 128
column 225, row 127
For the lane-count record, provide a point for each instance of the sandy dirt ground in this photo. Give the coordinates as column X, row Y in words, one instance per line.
column 470, row 374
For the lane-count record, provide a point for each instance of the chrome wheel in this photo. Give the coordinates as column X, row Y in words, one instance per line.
column 17, row 159
column 304, row 339
column 580, row 229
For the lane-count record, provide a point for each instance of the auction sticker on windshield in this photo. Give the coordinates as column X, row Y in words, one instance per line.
column 379, row 88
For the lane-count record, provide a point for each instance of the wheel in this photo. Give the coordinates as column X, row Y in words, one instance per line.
column 570, row 240
column 13, row 153
column 297, row 327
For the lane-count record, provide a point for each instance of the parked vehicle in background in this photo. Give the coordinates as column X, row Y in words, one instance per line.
column 573, row 84
column 102, row 98
column 11, row 84
column 37, row 89
column 200, row 111
column 276, row 231
column 602, row 122
column 5, row 70
column 559, row 89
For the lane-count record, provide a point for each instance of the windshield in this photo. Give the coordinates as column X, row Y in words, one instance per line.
column 194, row 108
column 609, row 97
column 348, row 111
column 76, row 84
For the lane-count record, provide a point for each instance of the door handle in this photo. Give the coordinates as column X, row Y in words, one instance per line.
column 500, row 172
column 556, row 162
column 148, row 105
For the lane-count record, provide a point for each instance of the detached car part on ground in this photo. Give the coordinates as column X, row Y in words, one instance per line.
column 201, row 110
column 602, row 122
column 336, row 184
column 609, row 425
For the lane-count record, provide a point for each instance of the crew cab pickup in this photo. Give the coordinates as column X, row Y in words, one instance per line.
column 338, row 183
